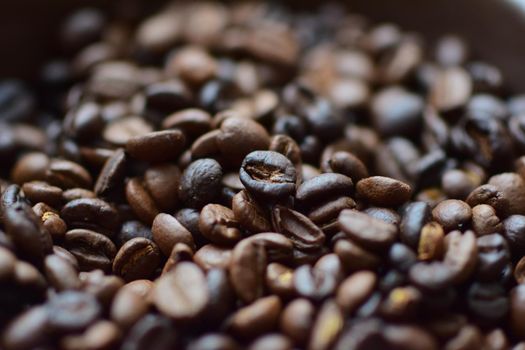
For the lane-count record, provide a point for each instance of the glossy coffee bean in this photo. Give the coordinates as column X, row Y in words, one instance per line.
column 268, row 174
column 200, row 183
column 138, row 258
column 218, row 224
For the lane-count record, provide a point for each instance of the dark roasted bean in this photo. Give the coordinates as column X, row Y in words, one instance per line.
column 93, row 250
column 367, row 231
column 91, row 213
column 200, row 183
column 168, row 231
column 72, row 311
column 141, row 201
column 112, row 174
column 156, row 146
column 247, row 266
column 298, row 228
column 138, row 258
column 324, row 186
column 27, row 232
column 355, row 257
column 452, row 214
column 415, row 216
column 218, row 224
column 268, row 175
column 250, row 215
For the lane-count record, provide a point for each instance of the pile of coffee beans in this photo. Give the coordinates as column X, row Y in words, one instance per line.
column 246, row 176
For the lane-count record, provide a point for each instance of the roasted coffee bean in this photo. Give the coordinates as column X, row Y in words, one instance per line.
column 112, row 174
column 451, row 90
column 72, row 311
column 431, row 276
column 257, row 318
column 383, row 191
column 103, row 287
column 410, row 337
column 60, row 273
column 290, row 149
column 519, row 271
column 174, row 299
column 496, row 339
column 319, row 281
column 268, row 175
column 325, row 215
column 355, row 289
column 324, row 186
column 77, row 193
column 354, row 257
column 29, row 330
column 200, row 183
column 66, row 174
column 218, row 224
column 458, row 184
column 347, row 164
column 327, row 326
column 37, row 191
column 461, row 254
column 222, row 297
column 132, row 229
column 90, row 213
column 298, row 228
column 212, row 256
column 401, row 257
column 277, row 246
column 384, row 214
column 250, row 215
column 512, row 187
column 162, row 182
column 487, row 302
column 514, row 232
column 180, row 252
column 128, row 307
column 452, row 214
column 153, row 331
column 516, row 310
column 279, row 280
column 103, row 334
column 168, row 231
column 297, row 320
column 367, row 231
column 156, row 146
column 493, row 257
column 415, row 216
column 405, row 119
column 485, row 221
column 93, row 250
column 271, row 341
column 138, row 258
column 241, row 136
column 491, row 195
column 431, row 242
column 141, row 201
column 247, row 266
column 51, row 222
column 214, row 341
column 26, row 231
column 192, row 122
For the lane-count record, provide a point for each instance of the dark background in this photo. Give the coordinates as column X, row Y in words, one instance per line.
column 494, row 28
